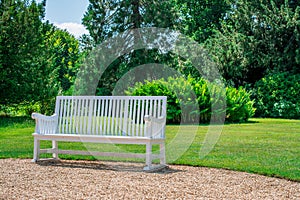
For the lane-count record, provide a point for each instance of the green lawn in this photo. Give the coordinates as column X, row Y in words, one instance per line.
column 264, row 146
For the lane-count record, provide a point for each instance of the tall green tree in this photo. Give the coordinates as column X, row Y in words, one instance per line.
column 23, row 58
column 65, row 57
column 199, row 18
column 258, row 37
column 106, row 18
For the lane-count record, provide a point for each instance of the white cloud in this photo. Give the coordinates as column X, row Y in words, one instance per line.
column 75, row 29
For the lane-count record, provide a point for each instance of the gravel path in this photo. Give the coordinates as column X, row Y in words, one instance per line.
column 21, row 179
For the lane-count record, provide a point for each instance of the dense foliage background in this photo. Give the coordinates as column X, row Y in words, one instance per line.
column 255, row 45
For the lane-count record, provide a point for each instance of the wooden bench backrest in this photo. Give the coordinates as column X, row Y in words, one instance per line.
column 108, row 115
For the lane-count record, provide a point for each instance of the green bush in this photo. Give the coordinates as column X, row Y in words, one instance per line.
column 239, row 105
column 277, row 95
column 191, row 100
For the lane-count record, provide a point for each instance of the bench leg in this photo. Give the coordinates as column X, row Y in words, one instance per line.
column 162, row 150
column 54, row 148
column 36, row 150
column 148, row 156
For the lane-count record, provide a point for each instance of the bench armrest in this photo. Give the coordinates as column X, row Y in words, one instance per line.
column 45, row 124
column 155, row 126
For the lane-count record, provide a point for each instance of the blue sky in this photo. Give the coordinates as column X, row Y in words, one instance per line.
column 67, row 14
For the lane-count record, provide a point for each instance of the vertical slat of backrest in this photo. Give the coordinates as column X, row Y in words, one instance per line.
column 60, row 114
column 64, row 116
column 97, row 114
column 118, row 116
column 129, row 132
column 75, row 113
column 95, row 117
column 146, row 113
column 64, row 125
column 67, row 117
column 125, row 118
column 109, row 116
column 147, row 107
column 151, row 107
column 121, row 116
column 71, row 116
column 46, row 127
column 158, row 107
column 158, row 113
column 79, row 121
column 154, row 114
column 84, row 106
column 57, row 112
column 89, row 116
column 113, row 111
column 113, row 114
column 116, row 131
column 141, row 122
column 137, row 120
column 79, row 124
column 81, row 115
column 102, row 116
column 157, row 126
column 162, row 112
column 155, row 108
column 41, row 126
column 133, row 117
column 105, row 116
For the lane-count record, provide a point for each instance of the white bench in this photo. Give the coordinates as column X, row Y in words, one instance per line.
column 105, row 119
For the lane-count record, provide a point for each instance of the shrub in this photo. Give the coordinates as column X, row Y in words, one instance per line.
column 277, row 95
column 196, row 97
column 239, row 105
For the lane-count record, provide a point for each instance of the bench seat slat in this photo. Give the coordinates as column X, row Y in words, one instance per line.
column 98, row 139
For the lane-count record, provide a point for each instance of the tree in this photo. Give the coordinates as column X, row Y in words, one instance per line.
column 37, row 60
column 65, row 56
column 23, row 58
column 199, row 18
column 258, row 37
column 105, row 19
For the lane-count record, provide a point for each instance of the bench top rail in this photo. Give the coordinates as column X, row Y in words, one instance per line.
column 109, row 115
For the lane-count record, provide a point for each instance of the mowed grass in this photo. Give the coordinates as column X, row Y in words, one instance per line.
column 264, row 146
